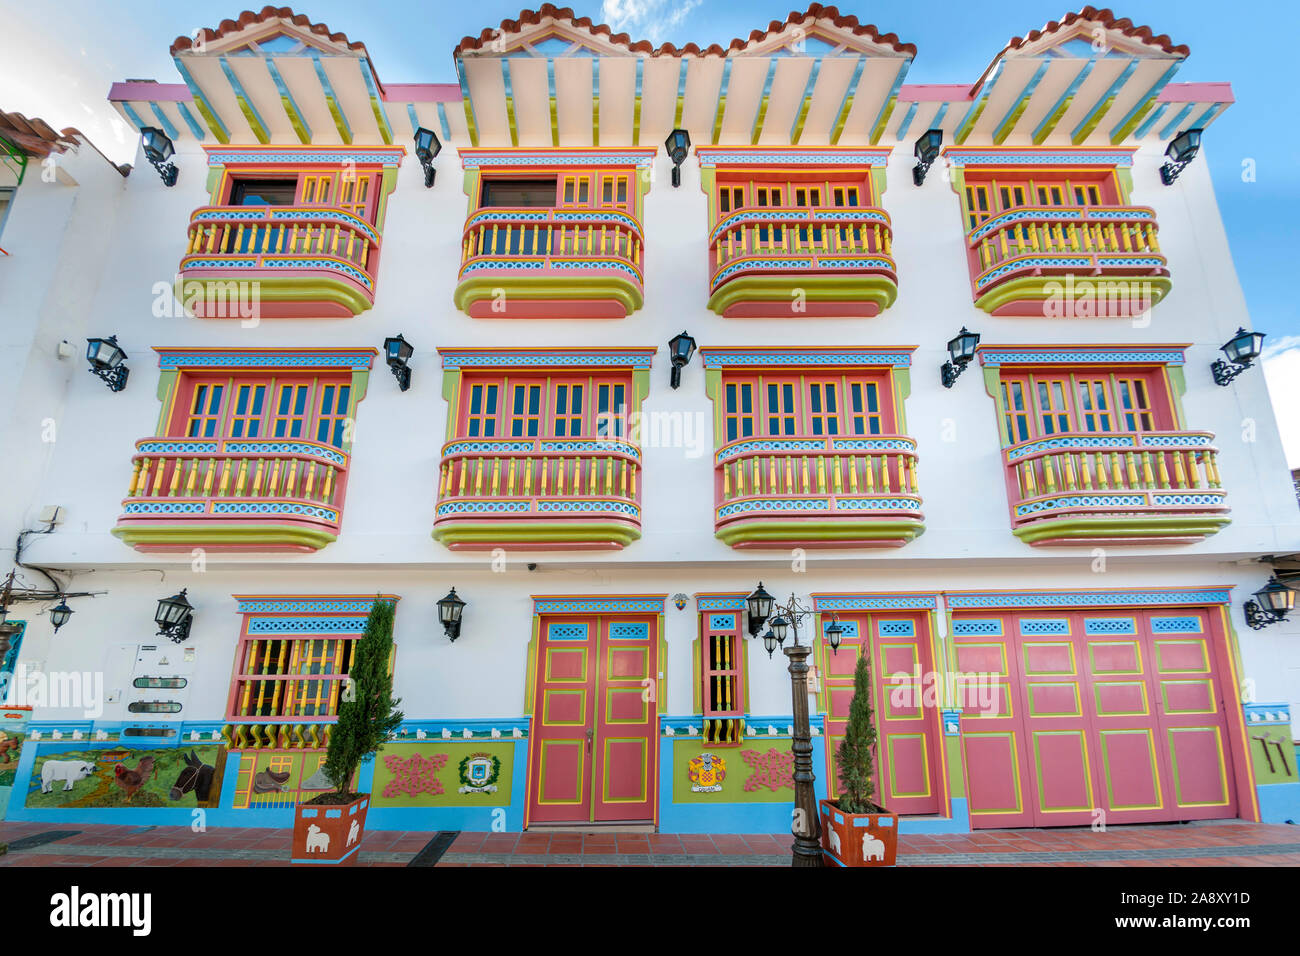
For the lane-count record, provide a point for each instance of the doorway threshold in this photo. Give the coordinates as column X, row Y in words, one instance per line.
column 591, row 828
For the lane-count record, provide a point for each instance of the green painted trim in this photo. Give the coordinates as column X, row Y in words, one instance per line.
column 1177, row 389
column 1084, row 131
column 387, row 183
column 451, row 395
column 885, row 114
column 697, row 673
column 214, row 182
column 661, row 682
column 902, row 392
column 713, row 389
column 205, row 533
column 166, row 384
column 879, row 182
column 1034, row 288
column 849, row 288
column 477, row 288
column 956, row 767
column 1118, row 135
column 471, row 531
column 530, row 666
column 640, row 387
column 960, row 136
column 215, row 126
column 1081, row 529
column 272, row 288
column 1046, row 129
column 780, row 531
column 254, row 121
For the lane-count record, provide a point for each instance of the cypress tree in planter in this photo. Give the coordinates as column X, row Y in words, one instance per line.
column 855, row 830
column 328, row 828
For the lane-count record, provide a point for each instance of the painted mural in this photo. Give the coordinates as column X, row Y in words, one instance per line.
column 760, row 772
column 444, row 774
column 13, row 728
column 123, row 777
column 274, row 779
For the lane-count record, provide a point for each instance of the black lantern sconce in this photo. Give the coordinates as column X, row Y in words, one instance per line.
column 1182, row 150
column 678, row 144
column 106, row 358
column 158, row 149
column 1272, row 604
column 398, row 352
column 450, row 609
column 60, row 613
column 427, row 146
column 1243, row 348
column 961, row 349
column 834, row 634
column 174, row 616
column 759, row 606
column 926, row 151
column 680, row 350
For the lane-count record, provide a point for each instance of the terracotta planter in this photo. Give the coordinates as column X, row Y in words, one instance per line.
column 858, row 839
column 329, row 833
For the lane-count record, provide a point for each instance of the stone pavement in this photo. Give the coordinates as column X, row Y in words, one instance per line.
column 1209, row 843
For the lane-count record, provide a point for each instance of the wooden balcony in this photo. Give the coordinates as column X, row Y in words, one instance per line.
column 550, row 263
column 277, row 262
column 1062, row 262
column 1115, row 488
column 233, row 494
column 575, row 494
column 771, row 262
column 778, row 493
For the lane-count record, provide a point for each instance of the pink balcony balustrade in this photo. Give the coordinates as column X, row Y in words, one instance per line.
column 838, row 258
column 551, row 263
column 285, row 262
column 1068, row 262
column 1115, row 488
column 858, row 492
column 233, row 494
column 551, row 493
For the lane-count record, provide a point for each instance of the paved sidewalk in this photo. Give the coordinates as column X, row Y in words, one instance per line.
column 1212, row 843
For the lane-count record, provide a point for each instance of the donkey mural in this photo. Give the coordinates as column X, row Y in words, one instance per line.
column 195, row 775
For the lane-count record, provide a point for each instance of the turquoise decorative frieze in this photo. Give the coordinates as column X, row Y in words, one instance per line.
column 1265, row 713
column 890, row 629
column 260, row 156
column 722, row 622
column 629, row 631
column 1044, row 626
column 1081, row 501
column 357, row 360
column 874, row 602
column 791, row 157
column 165, row 508
column 306, row 605
column 1167, row 355
column 645, row 605
column 963, row 158
column 1135, row 442
column 719, row 602
column 1015, row 599
column 171, row 447
column 1033, row 262
column 306, row 625
column 1103, row 626
column 221, row 507
column 566, row 159
column 464, row 507
column 503, row 358
column 981, row 627
column 277, row 447
column 719, row 357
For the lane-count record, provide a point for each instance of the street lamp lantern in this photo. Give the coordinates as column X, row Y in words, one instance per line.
column 1182, row 150
column 680, row 349
column 60, row 613
column 158, row 149
column 961, row 349
column 427, row 146
column 678, row 145
column 1272, row 604
column 780, row 628
column 450, row 609
column 926, row 151
column 759, row 606
column 1242, row 349
column 106, row 357
column 769, row 643
column 834, row 634
column 174, row 616
column 398, row 352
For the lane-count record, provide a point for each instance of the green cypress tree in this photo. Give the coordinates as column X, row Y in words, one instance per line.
column 371, row 717
column 857, row 749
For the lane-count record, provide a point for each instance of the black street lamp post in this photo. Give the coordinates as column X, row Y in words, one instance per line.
column 807, row 847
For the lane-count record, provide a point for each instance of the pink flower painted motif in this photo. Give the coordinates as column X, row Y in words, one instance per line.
column 773, row 769
column 415, row 775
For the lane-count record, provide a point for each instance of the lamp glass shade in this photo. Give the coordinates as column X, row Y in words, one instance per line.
column 681, row 348
column 158, row 147
column 1183, row 147
column 427, row 145
column 769, row 643
column 1276, row 597
column 759, row 604
column 677, row 144
column 173, row 610
column 780, row 627
column 962, row 346
column 104, row 353
column 927, row 145
column 834, row 634
column 1244, row 346
column 60, row 613
column 450, row 608
column 397, row 351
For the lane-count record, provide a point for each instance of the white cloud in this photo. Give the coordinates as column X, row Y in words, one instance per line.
column 1282, row 372
column 646, row 19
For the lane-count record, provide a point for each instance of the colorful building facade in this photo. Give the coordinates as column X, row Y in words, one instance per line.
column 1046, row 563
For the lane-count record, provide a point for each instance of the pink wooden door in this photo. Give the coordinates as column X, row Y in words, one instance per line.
column 987, row 683
column 907, row 777
column 562, row 745
column 626, row 717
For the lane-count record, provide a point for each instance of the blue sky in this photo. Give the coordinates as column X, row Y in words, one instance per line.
column 57, row 60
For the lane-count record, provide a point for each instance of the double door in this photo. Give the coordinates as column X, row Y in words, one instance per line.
column 1093, row 717
column 593, row 752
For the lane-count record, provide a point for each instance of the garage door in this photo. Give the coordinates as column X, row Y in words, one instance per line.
column 1065, row 714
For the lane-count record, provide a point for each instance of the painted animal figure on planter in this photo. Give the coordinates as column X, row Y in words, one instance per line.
column 195, row 775
column 317, row 839
column 835, row 842
column 872, row 849
column 353, row 831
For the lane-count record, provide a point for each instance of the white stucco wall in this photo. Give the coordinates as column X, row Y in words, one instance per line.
column 139, row 230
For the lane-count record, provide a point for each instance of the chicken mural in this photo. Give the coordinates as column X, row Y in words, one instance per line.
column 117, row 776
